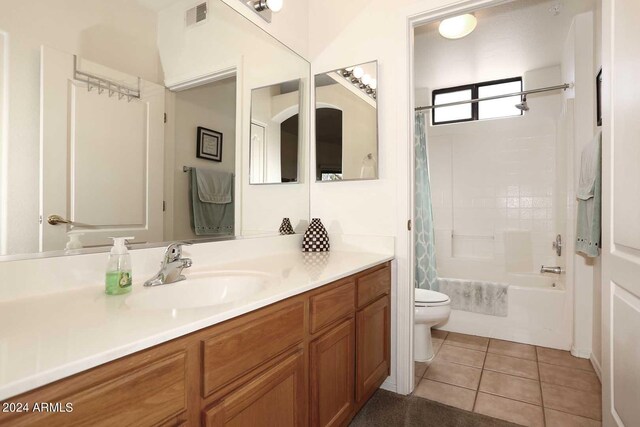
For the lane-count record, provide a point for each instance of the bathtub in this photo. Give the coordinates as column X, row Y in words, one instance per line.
column 539, row 313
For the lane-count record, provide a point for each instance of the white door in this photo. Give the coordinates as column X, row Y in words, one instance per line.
column 101, row 155
column 258, row 153
column 621, row 214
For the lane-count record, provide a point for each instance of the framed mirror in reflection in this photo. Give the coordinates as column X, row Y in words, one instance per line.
column 347, row 123
column 138, row 129
column 275, row 133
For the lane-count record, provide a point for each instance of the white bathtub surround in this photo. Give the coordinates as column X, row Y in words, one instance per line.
column 67, row 324
column 476, row 296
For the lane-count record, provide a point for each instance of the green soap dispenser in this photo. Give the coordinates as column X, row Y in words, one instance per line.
column 118, row 278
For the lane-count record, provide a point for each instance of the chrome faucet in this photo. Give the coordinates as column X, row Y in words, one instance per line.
column 172, row 266
column 554, row 270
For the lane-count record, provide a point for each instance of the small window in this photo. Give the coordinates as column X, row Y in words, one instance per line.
column 491, row 109
column 455, row 113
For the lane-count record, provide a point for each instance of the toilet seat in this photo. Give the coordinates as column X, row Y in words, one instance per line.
column 429, row 298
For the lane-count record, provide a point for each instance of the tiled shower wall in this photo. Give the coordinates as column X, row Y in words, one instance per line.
column 495, row 186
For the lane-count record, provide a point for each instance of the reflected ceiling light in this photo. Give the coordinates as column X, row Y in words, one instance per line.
column 273, row 5
column 458, row 26
column 360, row 79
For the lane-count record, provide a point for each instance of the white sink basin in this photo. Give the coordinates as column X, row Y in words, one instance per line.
column 201, row 290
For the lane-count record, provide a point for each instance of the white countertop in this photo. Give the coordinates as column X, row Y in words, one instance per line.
column 49, row 337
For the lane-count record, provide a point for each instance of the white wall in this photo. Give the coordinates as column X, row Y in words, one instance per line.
column 229, row 41
column 119, row 34
column 212, row 106
column 494, row 188
column 290, row 25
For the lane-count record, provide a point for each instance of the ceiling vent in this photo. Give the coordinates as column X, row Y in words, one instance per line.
column 196, row 14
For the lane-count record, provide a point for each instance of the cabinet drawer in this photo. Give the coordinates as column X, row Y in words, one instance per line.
column 275, row 398
column 373, row 285
column 247, row 344
column 332, row 305
column 144, row 397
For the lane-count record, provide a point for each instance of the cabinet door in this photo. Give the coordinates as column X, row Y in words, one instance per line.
column 373, row 347
column 332, row 376
column 276, row 398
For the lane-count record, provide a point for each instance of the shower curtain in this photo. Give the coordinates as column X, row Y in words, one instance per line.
column 425, row 249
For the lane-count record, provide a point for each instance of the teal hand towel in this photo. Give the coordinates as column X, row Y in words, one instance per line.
column 214, row 186
column 588, row 233
column 210, row 219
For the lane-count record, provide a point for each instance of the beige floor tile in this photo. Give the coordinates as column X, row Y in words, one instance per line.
column 438, row 333
column 416, row 381
column 562, row 358
column 513, row 349
column 510, row 410
column 570, row 377
column 459, row 397
column 511, row 365
column 437, row 344
column 454, row 374
column 562, row 419
column 463, row 356
column 420, row 368
column 576, row 402
column 467, row 341
column 511, row 387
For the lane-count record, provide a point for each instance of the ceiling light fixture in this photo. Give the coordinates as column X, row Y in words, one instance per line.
column 273, row 5
column 264, row 8
column 458, row 26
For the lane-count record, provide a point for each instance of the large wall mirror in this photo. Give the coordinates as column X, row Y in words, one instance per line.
column 133, row 118
column 347, row 123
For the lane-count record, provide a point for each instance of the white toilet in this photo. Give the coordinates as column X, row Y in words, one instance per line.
column 431, row 308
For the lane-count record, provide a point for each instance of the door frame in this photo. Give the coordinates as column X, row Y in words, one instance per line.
column 4, row 139
column 231, row 69
column 406, row 189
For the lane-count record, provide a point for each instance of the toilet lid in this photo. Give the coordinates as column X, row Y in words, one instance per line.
column 430, row 297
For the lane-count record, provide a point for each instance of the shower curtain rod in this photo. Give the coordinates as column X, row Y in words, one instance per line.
column 507, row 95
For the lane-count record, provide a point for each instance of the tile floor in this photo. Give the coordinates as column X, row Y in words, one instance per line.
column 524, row 384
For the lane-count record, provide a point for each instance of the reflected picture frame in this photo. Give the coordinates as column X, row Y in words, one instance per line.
column 209, row 144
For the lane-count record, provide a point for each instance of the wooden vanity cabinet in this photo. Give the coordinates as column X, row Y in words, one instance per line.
column 351, row 358
column 313, row 359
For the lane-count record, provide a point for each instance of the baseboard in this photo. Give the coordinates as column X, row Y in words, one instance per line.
column 596, row 367
column 583, row 354
column 389, row 385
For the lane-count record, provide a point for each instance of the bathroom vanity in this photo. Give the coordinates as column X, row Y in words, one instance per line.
column 299, row 361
